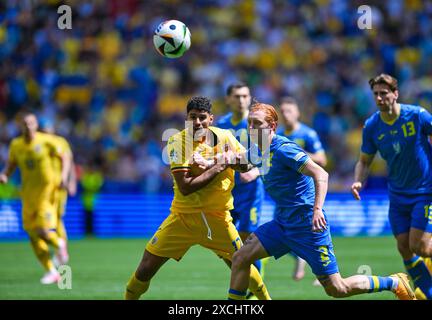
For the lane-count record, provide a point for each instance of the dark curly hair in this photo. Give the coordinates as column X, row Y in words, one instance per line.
column 199, row 103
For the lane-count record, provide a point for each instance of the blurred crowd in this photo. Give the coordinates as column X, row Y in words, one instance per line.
column 112, row 95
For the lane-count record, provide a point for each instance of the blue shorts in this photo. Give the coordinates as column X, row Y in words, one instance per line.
column 410, row 211
column 296, row 235
column 246, row 220
column 246, row 214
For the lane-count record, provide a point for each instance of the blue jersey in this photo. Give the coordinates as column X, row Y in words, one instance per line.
column 305, row 137
column 405, row 147
column 243, row 193
column 290, row 189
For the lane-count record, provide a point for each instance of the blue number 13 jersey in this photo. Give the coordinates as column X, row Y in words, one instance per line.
column 404, row 145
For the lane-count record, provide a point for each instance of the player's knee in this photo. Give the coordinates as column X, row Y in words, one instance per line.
column 339, row 290
column 240, row 259
column 42, row 233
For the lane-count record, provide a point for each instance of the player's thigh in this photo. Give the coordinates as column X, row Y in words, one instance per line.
column 252, row 249
column 222, row 237
column 174, row 237
column 40, row 215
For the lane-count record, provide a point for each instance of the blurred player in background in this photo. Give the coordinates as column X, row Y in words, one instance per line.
column 202, row 200
column 400, row 133
column 47, row 126
column 308, row 140
column 298, row 186
column 248, row 191
column 34, row 153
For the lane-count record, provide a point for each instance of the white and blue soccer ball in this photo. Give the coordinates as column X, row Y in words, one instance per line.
column 172, row 38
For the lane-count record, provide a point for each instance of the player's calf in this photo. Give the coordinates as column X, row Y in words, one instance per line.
column 335, row 287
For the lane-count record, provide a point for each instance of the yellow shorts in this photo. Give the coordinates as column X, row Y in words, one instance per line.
column 181, row 231
column 39, row 209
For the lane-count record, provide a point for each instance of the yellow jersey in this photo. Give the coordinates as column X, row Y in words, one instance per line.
column 216, row 196
column 35, row 161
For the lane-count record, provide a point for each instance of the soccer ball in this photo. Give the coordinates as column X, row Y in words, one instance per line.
column 172, row 38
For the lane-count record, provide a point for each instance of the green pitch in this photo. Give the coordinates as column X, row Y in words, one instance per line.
column 101, row 268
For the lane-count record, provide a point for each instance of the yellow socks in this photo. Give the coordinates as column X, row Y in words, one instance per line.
column 135, row 288
column 257, row 286
column 41, row 250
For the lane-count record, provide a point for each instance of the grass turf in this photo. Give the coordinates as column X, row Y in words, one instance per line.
column 101, row 268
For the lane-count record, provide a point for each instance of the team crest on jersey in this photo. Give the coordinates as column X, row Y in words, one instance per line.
column 397, row 147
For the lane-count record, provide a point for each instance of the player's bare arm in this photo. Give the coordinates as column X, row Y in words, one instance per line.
column 319, row 158
column 320, row 177
column 7, row 171
column 72, row 181
column 188, row 184
column 249, row 175
column 66, row 160
column 242, row 165
column 237, row 162
column 361, row 173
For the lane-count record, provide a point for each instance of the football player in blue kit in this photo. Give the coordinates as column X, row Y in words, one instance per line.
column 298, row 186
column 248, row 191
column 399, row 132
column 308, row 140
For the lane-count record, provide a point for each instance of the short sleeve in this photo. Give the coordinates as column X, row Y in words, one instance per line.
column 425, row 119
column 368, row 146
column 55, row 145
column 176, row 154
column 292, row 156
column 313, row 143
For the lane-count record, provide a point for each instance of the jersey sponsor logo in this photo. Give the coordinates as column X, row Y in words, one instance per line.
column 299, row 156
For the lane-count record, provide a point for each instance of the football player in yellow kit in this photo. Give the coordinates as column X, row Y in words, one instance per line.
column 33, row 153
column 202, row 200
column 47, row 126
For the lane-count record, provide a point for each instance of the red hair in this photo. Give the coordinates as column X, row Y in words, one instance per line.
column 269, row 111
